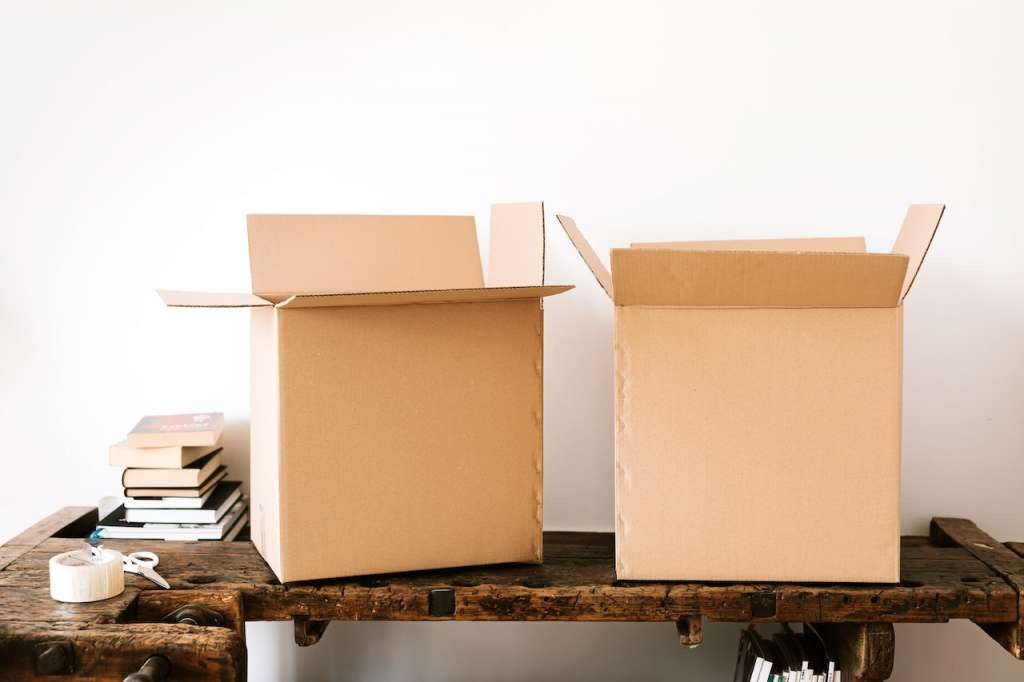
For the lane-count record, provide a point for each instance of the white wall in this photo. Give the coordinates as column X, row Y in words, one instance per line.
column 134, row 137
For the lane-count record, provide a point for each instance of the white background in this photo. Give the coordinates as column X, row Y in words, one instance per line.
column 134, row 137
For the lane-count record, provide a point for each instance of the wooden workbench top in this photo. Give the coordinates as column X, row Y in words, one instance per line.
column 946, row 576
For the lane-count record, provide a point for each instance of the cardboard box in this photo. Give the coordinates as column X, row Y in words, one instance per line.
column 758, row 390
column 397, row 402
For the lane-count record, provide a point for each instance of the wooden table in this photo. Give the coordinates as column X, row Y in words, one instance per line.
column 196, row 630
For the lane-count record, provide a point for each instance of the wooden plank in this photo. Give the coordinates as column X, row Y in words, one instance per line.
column 69, row 521
column 110, row 652
column 576, row 582
column 1002, row 559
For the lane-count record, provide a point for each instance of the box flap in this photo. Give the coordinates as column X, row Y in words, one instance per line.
column 832, row 244
column 427, row 296
column 586, row 252
column 199, row 299
column 757, row 279
column 517, row 245
column 915, row 237
column 331, row 253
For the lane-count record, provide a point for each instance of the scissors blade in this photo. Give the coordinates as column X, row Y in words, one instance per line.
column 149, row 573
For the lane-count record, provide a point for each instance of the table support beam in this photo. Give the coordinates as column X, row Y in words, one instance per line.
column 309, row 631
column 866, row 651
column 1004, row 561
column 690, row 630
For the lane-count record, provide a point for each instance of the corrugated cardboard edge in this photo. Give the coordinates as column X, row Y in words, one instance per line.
column 834, row 244
column 915, row 237
column 517, row 245
column 899, row 451
column 378, row 298
column 265, row 436
column 587, row 253
column 538, row 543
column 621, row 423
column 200, row 299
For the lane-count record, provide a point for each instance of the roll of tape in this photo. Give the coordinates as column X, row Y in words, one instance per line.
column 75, row 577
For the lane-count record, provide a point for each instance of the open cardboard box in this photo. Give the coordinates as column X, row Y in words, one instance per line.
column 758, row 398
column 397, row 402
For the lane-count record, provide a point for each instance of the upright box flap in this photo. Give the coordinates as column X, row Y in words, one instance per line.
column 329, row 253
column 757, row 279
column 429, row 296
column 831, row 244
column 517, row 245
column 586, row 252
column 198, row 299
column 915, row 237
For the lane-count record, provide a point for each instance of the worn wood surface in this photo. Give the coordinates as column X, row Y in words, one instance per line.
column 866, row 651
column 69, row 522
column 959, row 572
column 1004, row 560
column 111, row 652
column 576, row 582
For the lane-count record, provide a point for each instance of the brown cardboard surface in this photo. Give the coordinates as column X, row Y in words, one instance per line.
column 396, row 402
column 758, row 444
column 517, row 245
column 919, row 226
column 335, row 253
column 756, row 279
column 420, row 297
column 834, row 244
column 586, row 251
column 758, row 405
column 410, row 438
column 199, row 299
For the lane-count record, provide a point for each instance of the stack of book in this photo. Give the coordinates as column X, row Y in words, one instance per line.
column 786, row 656
column 175, row 484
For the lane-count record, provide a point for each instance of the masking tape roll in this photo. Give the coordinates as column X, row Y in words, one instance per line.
column 76, row 579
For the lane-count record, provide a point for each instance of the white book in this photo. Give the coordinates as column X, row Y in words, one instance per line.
column 237, row 528
column 766, row 671
column 115, row 527
column 838, row 677
column 830, row 677
column 755, row 673
column 218, row 504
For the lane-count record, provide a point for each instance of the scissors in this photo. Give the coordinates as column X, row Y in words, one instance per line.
column 142, row 563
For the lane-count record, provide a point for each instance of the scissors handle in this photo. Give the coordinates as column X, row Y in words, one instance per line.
column 149, row 559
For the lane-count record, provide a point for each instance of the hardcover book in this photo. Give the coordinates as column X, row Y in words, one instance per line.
column 202, row 429
column 197, row 491
column 192, row 476
column 166, row 457
column 115, row 525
